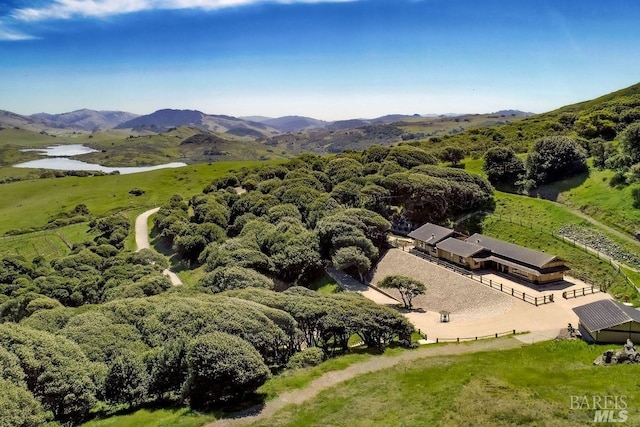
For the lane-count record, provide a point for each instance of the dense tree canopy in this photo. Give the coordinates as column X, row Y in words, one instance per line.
column 554, row 158
column 502, row 165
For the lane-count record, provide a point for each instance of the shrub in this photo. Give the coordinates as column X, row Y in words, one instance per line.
column 308, row 357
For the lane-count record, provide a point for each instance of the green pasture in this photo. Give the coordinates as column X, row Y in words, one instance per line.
column 30, row 204
column 532, row 385
column 48, row 243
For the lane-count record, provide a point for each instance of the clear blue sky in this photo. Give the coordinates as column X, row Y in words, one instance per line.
column 320, row 58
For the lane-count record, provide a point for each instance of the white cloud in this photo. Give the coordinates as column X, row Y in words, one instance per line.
column 67, row 9
column 11, row 35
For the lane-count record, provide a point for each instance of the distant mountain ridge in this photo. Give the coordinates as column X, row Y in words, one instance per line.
column 163, row 120
column 86, row 119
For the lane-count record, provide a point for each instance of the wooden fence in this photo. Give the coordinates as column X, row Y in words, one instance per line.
column 581, row 292
column 479, row 337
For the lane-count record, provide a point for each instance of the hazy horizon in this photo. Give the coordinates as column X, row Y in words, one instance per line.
column 325, row 59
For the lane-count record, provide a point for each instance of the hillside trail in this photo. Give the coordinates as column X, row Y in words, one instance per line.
column 377, row 363
column 142, row 241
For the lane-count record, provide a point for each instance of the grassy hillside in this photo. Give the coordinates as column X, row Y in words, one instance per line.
column 128, row 148
column 528, row 386
column 30, row 204
column 358, row 135
column 532, row 385
column 603, row 117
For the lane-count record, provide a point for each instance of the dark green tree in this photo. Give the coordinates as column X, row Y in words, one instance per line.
column 502, row 165
column 554, row 158
column 222, row 368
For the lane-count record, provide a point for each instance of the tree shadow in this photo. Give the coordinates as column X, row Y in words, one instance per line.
column 552, row 190
column 472, row 224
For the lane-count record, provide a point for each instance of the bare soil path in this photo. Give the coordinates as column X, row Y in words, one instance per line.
column 142, row 241
column 331, row 379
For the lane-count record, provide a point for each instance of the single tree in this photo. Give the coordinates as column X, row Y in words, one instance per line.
column 452, row 155
column 502, row 165
column 409, row 288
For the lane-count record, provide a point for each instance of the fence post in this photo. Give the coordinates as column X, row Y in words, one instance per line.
column 511, row 291
column 500, row 287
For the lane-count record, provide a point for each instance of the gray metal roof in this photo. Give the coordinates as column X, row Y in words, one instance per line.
column 459, row 247
column 514, row 252
column 604, row 314
column 431, row 233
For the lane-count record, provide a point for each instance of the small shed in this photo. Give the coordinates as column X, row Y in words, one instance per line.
column 608, row 321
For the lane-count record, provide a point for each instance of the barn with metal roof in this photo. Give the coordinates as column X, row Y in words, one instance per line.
column 608, row 321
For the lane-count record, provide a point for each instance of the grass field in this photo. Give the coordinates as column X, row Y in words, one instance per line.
column 29, row 204
column 528, row 386
column 49, row 243
column 154, row 418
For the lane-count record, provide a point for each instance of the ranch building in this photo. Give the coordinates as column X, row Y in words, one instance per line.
column 479, row 252
column 609, row 322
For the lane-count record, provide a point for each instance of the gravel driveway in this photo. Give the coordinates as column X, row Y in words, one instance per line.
column 446, row 290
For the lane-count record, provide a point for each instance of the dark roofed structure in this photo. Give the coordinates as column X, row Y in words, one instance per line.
column 483, row 252
column 431, row 233
column 460, row 247
column 512, row 251
column 608, row 321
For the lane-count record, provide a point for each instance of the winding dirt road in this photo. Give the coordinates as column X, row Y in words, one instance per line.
column 378, row 363
column 142, row 241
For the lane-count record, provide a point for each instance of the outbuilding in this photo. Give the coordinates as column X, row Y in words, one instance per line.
column 608, row 321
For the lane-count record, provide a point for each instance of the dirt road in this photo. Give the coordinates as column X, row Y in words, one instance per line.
column 331, row 379
column 142, row 241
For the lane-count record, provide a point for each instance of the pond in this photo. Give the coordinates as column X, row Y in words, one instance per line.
column 62, row 150
column 63, row 163
column 59, row 161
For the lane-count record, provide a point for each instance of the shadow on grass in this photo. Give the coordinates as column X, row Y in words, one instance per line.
column 155, row 405
column 552, row 191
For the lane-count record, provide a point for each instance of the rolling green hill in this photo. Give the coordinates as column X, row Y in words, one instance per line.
column 127, row 148
column 604, row 117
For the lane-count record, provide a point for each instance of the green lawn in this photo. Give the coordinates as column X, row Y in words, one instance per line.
column 528, row 386
column 154, row 418
column 29, row 204
column 325, row 285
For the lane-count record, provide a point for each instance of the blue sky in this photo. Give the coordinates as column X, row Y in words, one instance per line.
column 320, row 58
